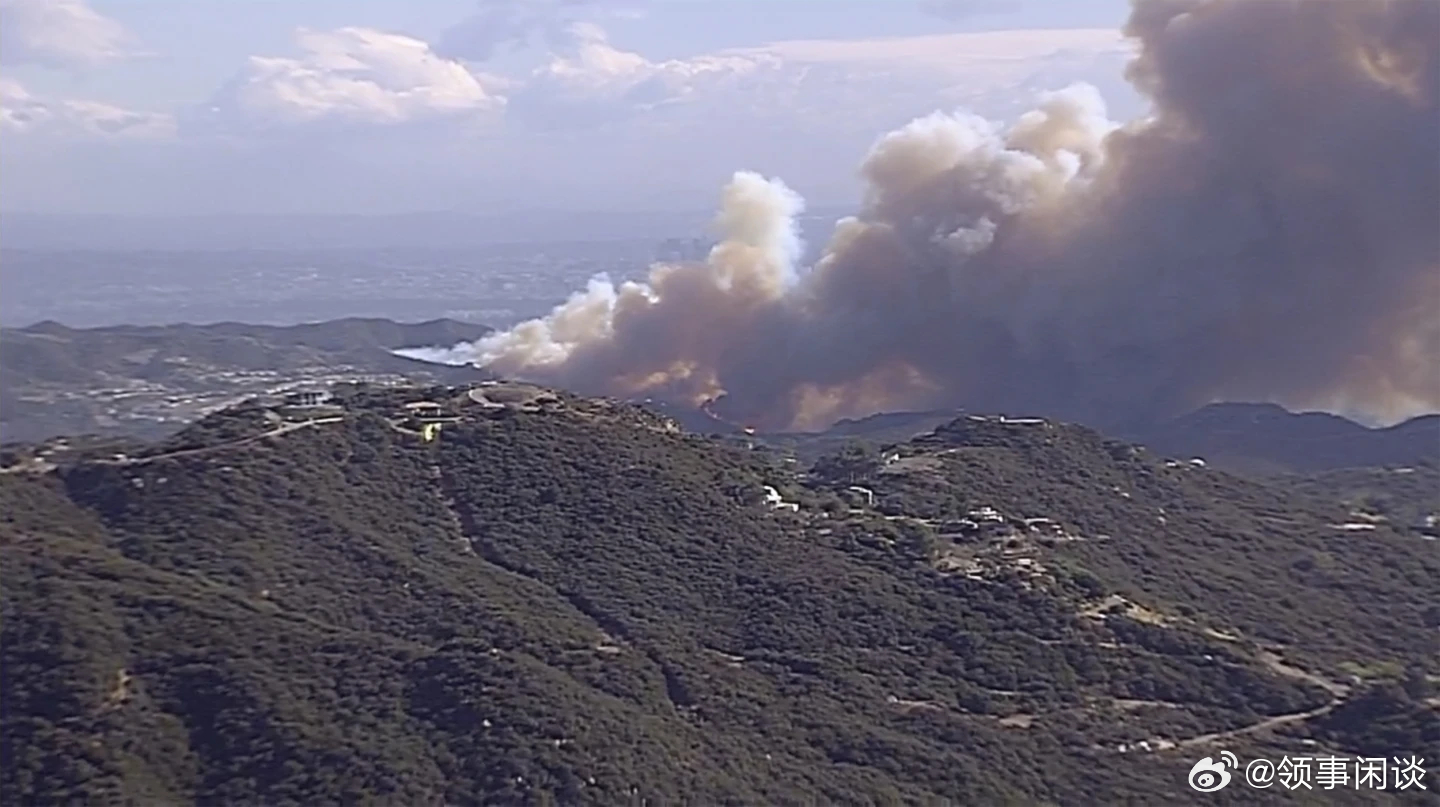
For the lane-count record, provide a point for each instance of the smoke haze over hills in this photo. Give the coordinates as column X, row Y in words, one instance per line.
column 1268, row 233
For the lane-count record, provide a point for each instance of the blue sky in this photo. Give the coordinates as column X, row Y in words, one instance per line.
column 382, row 106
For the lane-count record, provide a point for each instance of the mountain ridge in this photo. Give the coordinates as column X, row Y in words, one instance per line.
column 1243, row 437
column 53, row 380
column 562, row 599
column 1269, row 437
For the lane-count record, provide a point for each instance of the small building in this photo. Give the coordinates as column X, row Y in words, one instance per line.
column 307, row 397
column 308, row 404
column 775, row 502
column 1022, row 421
column 424, row 410
column 952, row 529
column 986, row 513
column 1429, row 526
column 1044, row 526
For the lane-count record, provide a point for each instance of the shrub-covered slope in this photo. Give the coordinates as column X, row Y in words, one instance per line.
column 573, row 603
column 1282, row 561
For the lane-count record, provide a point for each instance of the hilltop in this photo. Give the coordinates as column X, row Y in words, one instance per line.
column 148, row 381
column 565, row 600
column 1276, row 561
column 1269, row 438
column 1252, row 439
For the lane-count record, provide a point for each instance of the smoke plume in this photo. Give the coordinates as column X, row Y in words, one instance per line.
column 1270, row 232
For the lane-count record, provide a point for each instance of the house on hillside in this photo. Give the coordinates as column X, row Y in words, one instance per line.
column 863, row 491
column 1429, row 526
column 307, row 397
column 424, row 410
column 309, row 404
column 775, row 502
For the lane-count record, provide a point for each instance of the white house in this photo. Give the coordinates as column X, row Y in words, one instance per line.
column 866, row 492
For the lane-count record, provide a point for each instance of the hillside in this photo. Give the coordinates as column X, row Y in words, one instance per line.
column 562, row 600
column 1267, row 438
column 1407, row 496
column 1253, row 439
column 1278, row 562
column 148, row 381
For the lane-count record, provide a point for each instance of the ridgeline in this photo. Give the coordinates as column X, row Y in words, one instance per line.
column 518, row 596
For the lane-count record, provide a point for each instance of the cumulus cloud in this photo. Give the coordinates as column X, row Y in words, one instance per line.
column 808, row 82
column 591, row 81
column 23, row 113
column 989, row 53
column 1268, row 233
column 355, row 75
column 496, row 23
column 59, row 33
column 574, row 128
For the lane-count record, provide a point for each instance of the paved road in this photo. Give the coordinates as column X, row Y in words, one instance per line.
column 284, row 428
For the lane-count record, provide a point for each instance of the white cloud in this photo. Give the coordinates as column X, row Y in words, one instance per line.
column 23, row 113
column 356, row 75
column 508, row 22
column 871, row 83
column 595, row 82
column 59, row 33
column 960, row 52
column 994, row 72
column 361, row 117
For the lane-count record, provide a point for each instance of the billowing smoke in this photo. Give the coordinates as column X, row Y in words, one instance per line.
column 1270, row 232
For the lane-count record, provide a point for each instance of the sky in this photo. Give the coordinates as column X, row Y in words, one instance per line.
column 296, row 107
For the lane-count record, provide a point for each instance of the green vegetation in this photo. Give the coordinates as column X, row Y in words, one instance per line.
column 1263, row 559
column 577, row 604
column 1403, row 495
column 1265, row 438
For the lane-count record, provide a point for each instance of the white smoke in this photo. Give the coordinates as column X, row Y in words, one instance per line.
column 1268, row 234
column 605, row 327
column 456, row 355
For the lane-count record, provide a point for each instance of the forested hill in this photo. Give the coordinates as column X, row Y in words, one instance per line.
column 567, row 601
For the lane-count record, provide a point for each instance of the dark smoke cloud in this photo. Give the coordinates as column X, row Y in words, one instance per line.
column 1271, row 232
